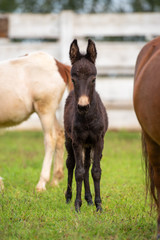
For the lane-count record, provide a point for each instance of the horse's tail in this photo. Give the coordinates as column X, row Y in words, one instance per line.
column 149, row 172
column 65, row 71
column 68, row 74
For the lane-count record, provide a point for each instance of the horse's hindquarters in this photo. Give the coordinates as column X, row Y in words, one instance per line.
column 147, row 97
column 146, row 100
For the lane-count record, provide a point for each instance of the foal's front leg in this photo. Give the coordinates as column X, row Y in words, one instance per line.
column 79, row 174
column 96, row 173
column 70, row 163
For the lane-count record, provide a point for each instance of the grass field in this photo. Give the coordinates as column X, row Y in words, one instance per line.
column 25, row 214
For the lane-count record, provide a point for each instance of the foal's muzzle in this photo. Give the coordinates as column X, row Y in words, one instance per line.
column 83, row 103
column 83, row 108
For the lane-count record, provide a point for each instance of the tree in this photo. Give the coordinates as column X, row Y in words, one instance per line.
column 85, row 6
column 145, row 5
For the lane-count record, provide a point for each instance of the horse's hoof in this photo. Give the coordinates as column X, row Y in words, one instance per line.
column 54, row 183
column 158, row 237
column 40, row 187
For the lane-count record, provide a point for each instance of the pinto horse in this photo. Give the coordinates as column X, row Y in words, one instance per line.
column 146, row 100
column 85, row 122
column 36, row 83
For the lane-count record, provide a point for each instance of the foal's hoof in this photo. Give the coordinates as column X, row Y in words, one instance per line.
column 68, row 200
column 68, row 197
column 89, row 200
column 158, row 237
column 99, row 208
column 78, row 206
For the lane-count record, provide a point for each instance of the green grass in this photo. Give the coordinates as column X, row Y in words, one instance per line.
column 25, row 214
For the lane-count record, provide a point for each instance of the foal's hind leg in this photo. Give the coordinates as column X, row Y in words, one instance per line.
column 70, row 163
column 87, row 163
column 58, row 157
column 153, row 156
column 96, row 172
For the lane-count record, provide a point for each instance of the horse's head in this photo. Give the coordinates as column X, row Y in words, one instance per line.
column 83, row 74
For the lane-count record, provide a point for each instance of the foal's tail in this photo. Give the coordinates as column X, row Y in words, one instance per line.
column 149, row 172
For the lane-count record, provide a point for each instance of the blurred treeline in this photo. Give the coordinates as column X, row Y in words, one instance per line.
column 80, row 6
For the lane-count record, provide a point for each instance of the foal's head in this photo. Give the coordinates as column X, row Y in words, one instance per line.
column 83, row 74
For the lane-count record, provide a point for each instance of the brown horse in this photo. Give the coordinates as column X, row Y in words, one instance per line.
column 146, row 100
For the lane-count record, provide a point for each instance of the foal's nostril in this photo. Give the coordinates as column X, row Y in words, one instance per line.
column 83, row 103
column 83, row 108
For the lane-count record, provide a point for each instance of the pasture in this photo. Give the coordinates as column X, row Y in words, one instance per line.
column 26, row 214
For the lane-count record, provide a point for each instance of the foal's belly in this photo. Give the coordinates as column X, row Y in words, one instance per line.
column 87, row 138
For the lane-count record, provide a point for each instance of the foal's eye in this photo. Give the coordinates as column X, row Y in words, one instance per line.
column 73, row 81
column 93, row 81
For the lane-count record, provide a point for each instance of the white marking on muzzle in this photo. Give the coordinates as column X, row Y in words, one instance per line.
column 83, row 101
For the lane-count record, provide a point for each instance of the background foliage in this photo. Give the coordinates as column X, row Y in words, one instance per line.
column 83, row 6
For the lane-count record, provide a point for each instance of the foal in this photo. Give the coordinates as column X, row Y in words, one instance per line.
column 85, row 122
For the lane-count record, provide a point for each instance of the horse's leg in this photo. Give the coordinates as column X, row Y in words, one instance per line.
column 58, row 157
column 47, row 121
column 1, row 184
column 70, row 163
column 158, row 219
column 79, row 174
column 87, row 163
column 152, row 158
column 96, row 172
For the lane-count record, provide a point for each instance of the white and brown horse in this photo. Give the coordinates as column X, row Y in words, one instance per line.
column 36, row 83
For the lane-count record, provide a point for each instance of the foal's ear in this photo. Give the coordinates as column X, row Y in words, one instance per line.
column 91, row 51
column 74, row 52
